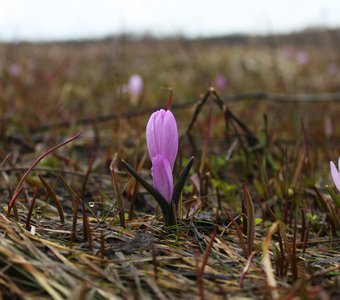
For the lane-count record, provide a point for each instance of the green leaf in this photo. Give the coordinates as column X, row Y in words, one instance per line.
column 168, row 213
column 329, row 212
column 334, row 195
column 50, row 162
column 180, row 182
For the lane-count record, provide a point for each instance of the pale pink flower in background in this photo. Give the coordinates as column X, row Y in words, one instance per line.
column 288, row 52
column 302, row 57
column 135, row 88
column 328, row 126
column 336, row 174
column 333, row 69
column 221, row 82
column 15, row 70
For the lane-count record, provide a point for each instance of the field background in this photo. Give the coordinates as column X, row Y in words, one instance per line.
column 284, row 89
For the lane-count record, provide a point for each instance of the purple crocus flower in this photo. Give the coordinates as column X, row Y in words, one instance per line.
column 162, row 143
column 336, row 174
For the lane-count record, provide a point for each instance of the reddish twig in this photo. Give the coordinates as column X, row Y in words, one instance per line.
column 21, row 182
column 246, row 268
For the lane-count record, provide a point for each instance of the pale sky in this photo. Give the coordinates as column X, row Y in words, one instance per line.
column 76, row 19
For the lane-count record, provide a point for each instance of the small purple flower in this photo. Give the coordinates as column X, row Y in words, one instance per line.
column 333, row 69
column 328, row 125
column 302, row 57
column 221, row 81
column 135, row 87
column 162, row 143
column 288, row 52
column 336, row 174
column 15, row 70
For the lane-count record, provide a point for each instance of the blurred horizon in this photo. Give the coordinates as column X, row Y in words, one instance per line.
column 34, row 21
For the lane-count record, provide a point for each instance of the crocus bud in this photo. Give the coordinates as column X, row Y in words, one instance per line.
column 135, row 88
column 162, row 136
column 336, row 174
column 162, row 143
column 162, row 176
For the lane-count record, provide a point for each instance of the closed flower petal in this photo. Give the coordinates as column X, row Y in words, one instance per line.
column 162, row 136
column 169, row 139
column 158, row 125
column 335, row 175
column 162, row 176
column 150, row 136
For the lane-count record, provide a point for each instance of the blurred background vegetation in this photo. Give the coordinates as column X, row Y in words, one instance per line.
column 47, row 83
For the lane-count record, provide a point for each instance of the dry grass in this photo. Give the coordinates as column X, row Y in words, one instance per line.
column 280, row 240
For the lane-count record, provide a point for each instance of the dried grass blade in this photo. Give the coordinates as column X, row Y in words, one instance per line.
column 54, row 198
column 330, row 215
column 30, row 211
column 74, row 220
column 246, row 268
column 239, row 233
column 207, row 252
column 118, row 191
column 4, row 160
column 250, row 219
column 266, row 261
